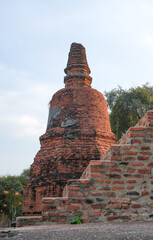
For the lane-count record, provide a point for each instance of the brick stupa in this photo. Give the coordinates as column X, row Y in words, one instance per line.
column 78, row 130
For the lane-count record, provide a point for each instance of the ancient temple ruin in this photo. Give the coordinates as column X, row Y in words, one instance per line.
column 80, row 170
column 78, row 130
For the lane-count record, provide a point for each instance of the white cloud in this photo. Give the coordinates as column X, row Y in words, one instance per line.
column 27, row 125
column 24, row 107
column 20, row 126
column 146, row 9
column 1, row 67
column 147, row 40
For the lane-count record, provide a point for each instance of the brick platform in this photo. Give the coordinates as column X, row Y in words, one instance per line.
column 119, row 187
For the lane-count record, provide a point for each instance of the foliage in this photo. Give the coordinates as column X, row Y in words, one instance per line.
column 76, row 220
column 25, row 176
column 11, row 195
column 128, row 107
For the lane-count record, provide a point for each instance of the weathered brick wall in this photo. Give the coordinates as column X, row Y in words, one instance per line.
column 78, row 131
column 119, row 187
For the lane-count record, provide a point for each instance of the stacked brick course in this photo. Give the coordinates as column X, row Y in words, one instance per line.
column 78, row 131
column 119, row 187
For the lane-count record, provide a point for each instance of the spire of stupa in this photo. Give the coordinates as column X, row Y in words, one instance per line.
column 77, row 69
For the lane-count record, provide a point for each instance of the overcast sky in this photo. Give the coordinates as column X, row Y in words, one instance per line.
column 35, row 38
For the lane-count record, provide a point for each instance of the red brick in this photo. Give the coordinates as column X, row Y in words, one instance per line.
column 126, row 206
column 150, row 164
column 109, row 194
column 120, row 201
column 86, row 207
column 117, row 188
column 115, row 158
column 136, row 129
column 60, row 208
column 95, row 194
column 136, row 141
column 130, row 187
column 137, row 135
column 130, row 170
column 73, row 207
column 131, row 153
column 76, row 194
column 115, row 170
column 98, row 206
column 60, row 220
column 131, row 181
column 104, row 189
column 95, row 163
column 64, row 214
column 144, row 193
column 142, row 158
column 80, row 214
column 138, row 176
column 114, row 147
column 112, row 218
column 89, row 188
column 73, row 188
column 97, row 213
column 86, row 220
column 46, row 200
column 52, row 214
column 118, row 182
column 85, row 181
column 115, row 206
column 129, row 158
column 94, row 175
column 145, row 148
column 145, row 153
column 138, row 164
column 136, row 205
column 129, row 146
column 75, row 200
column 98, row 169
column 117, row 153
column 114, row 175
column 144, row 171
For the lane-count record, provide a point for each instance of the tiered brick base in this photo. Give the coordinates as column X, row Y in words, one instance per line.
column 118, row 187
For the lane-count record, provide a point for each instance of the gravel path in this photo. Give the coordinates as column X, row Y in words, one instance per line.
column 103, row 231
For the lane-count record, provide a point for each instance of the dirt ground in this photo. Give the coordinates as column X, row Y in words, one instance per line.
column 100, row 231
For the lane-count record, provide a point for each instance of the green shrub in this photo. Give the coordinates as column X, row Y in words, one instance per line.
column 76, row 220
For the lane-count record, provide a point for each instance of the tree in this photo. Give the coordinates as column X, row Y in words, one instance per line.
column 25, row 176
column 11, row 195
column 128, row 107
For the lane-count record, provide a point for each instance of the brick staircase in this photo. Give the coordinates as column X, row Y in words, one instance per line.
column 118, row 187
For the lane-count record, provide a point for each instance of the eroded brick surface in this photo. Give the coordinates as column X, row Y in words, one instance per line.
column 118, row 187
column 78, row 131
column 114, row 189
